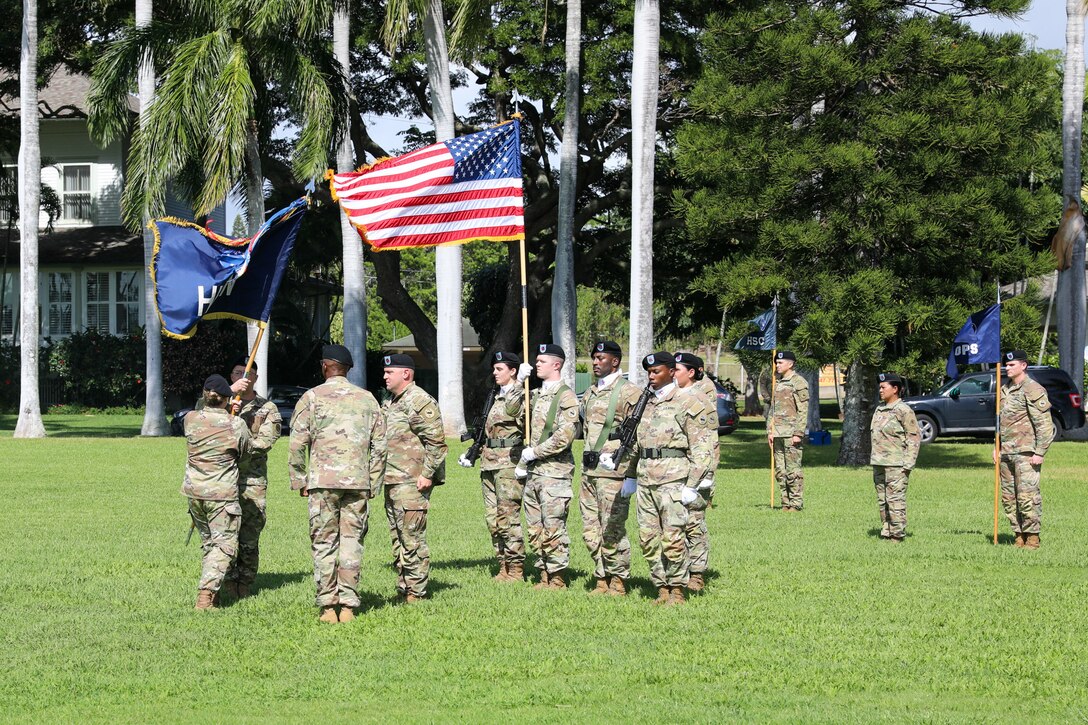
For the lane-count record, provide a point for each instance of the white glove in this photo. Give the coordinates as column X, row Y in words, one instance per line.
column 606, row 462
column 528, row 455
column 705, row 485
column 688, row 495
column 629, row 487
column 520, row 472
column 524, row 371
column 464, row 461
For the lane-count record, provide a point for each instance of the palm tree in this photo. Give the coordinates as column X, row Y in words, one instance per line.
column 29, row 424
column 1070, row 239
column 447, row 260
column 644, row 90
column 227, row 68
column 154, row 410
column 564, row 299
column 354, row 309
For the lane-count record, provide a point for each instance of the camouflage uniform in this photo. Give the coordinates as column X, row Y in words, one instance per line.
column 548, row 485
column 675, row 452
column 895, row 441
column 788, row 417
column 215, row 441
column 604, row 511
column 698, row 537
column 502, row 490
column 265, row 424
column 337, row 453
column 417, row 447
column 1026, row 430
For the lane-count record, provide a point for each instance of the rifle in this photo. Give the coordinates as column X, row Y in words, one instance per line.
column 629, row 428
column 478, row 433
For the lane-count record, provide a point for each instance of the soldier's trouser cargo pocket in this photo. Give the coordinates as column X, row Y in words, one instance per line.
column 1021, row 495
column 218, row 523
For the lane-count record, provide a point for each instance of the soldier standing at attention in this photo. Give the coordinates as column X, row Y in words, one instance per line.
column 503, row 441
column 786, row 426
column 548, row 466
column 603, row 501
column 263, row 419
column 417, row 462
column 690, row 378
column 895, row 442
column 1026, row 433
column 215, row 442
column 675, row 455
column 337, row 457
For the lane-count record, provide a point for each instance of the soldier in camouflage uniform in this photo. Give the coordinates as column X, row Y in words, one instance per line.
column 503, row 441
column 548, row 466
column 895, row 442
column 675, row 456
column 786, row 424
column 337, row 460
column 417, row 449
column 1026, row 433
column 215, row 442
column 691, row 379
column 263, row 419
column 602, row 502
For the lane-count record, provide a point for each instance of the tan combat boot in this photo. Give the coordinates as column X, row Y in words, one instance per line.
column 205, row 599
column 662, row 595
column 696, row 583
column 556, row 581
column 617, row 588
column 1031, row 541
column 413, row 598
column 1019, row 543
column 543, row 583
column 504, row 573
column 346, row 614
column 676, row 596
column 515, row 572
column 601, row 588
column 328, row 615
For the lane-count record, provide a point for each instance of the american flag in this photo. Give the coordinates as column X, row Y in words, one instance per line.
column 458, row 191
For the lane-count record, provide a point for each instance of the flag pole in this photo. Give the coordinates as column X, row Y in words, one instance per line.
column 525, row 335
column 770, row 415
column 997, row 423
column 236, row 401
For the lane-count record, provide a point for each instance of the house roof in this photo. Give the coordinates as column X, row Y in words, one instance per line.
column 82, row 246
column 64, row 96
column 469, row 340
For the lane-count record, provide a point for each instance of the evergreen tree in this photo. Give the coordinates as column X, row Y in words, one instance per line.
column 878, row 164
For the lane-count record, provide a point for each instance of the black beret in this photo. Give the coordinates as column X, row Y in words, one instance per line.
column 1016, row 355
column 609, row 347
column 218, row 384
column 241, row 363
column 890, row 378
column 510, row 358
column 337, row 353
column 550, row 349
column 662, row 357
column 785, row 355
column 398, row 360
column 688, row 360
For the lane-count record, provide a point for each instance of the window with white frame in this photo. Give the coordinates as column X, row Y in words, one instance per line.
column 9, row 196
column 58, row 303
column 76, row 192
column 112, row 301
column 97, row 301
column 127, row 301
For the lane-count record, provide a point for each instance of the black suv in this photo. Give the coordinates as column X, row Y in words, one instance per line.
column 966, row 405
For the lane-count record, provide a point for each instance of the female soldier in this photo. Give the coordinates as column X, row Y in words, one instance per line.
column 895, row 450
column 215, row 440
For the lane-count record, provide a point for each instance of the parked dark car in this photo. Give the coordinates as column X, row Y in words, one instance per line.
column 966, row 405
column 283, row 396
column 727, row 409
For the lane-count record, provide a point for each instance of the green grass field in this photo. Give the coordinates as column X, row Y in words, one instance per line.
column 807, row 618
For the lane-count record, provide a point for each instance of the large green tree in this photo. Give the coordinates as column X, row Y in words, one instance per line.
column 878, row 164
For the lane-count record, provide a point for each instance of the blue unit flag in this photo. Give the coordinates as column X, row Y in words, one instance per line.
column 978, row 341
column 767, row 336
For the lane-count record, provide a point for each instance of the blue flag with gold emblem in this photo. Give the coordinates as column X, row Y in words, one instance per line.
column 198, row 274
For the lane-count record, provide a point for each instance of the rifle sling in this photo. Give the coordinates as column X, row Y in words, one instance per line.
column 609, row 418
column 549, row 422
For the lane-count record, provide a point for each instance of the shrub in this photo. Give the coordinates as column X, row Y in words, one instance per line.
column 99, row 370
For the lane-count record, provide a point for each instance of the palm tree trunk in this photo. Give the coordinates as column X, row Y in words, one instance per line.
column 354, row 278
column 857, row 414
column 644, row 80
column 564, row 298
column 447, row 260
column 1071, row 282
column 30, row 423
column 254, row 180
column 154, row 411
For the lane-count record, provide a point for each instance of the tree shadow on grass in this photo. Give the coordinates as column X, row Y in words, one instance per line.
column 480, row 563
column 270, row 581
